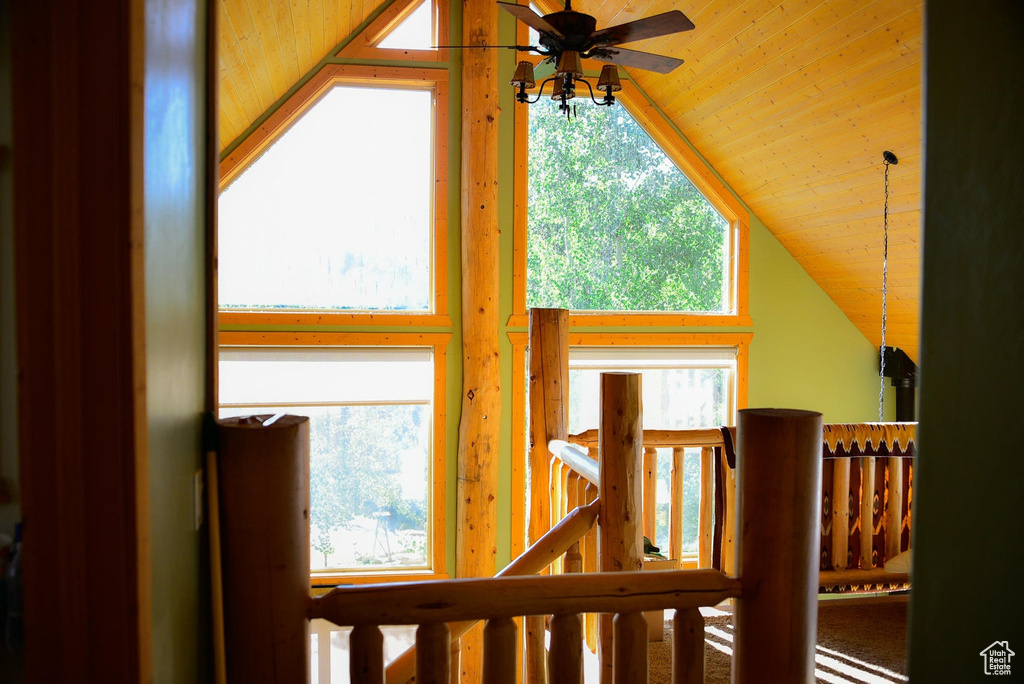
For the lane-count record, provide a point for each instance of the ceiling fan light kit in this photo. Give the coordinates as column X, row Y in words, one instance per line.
column 568, row 37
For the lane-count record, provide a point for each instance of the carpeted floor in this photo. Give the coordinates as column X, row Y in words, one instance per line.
column 859, row 640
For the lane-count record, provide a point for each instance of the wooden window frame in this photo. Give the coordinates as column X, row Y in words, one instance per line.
column 520, row 343
column 331, row 75
column 696, row 171
column 437, row 475
column 365, row 45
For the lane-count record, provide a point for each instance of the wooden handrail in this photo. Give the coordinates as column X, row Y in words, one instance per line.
column 482, row 598
column 696, row 437
column 576, row 458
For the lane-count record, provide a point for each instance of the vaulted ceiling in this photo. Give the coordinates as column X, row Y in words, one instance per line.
column 792, row 103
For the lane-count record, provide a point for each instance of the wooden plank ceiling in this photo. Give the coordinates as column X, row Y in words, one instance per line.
column 791, row 102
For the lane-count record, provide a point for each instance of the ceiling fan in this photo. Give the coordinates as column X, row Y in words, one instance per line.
column 567, row 37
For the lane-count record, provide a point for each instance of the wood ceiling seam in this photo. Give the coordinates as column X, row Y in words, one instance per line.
column 242, row 78
column 880, row 112
column 851, row 181
column 786, row 94
column 857, row 149
column 910, row 230
column 900, row 89
column 767, row 35
column 767, row 73
column 839, row 243
column 299, row 15
column 267, row 41
column 286, row 39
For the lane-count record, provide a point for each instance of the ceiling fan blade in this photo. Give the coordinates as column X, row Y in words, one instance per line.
column 636, row 59
column 529, row 17
column 650, row 27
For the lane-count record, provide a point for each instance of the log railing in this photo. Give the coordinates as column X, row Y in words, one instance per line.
column 779, row 618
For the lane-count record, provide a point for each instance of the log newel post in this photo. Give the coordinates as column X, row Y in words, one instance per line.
column 779, row 470
column 549, row 419
column 620, row 460
column 264, row 511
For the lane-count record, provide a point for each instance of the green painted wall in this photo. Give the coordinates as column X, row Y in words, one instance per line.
column 969, row 531
column 176, row 296
column 806, row 354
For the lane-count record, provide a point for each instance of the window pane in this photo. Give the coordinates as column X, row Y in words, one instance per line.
column 415, row 33
column 613, row 224
column 370, row 455
column 337, row 214
column 682, row 388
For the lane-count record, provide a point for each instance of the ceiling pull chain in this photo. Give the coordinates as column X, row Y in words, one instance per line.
column 889, row 158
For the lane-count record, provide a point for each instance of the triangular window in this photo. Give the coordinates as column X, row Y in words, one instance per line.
column 415, row 32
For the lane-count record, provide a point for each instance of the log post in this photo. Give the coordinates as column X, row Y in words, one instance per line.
column 433, row 653
column 263, row 469
column 500, row 651
column 480, row 422
column 549, row 419
column 779, row 470
column 620, row 440
column 366, row 655
column 565, row 661
column 573, row 559
column 688, row 647
column 630, row 648
column 675, row 544
column 840, row 513
column 590, row 564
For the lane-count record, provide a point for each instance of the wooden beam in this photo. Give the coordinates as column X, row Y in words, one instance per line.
column 479, row 428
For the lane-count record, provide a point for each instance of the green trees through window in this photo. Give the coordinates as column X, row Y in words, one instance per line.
column 613, row 224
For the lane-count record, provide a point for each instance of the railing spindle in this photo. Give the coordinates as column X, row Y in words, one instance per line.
column 675, row 545
column 590, row 564
column 500, row 651
column 705, row 518
column 840, row 512
column 630, row 648
column 366, row 655
column 565, row 661
column 650, row 493
column 688, row 647
column 867, row 493
column 433, row 653
column 894, row 509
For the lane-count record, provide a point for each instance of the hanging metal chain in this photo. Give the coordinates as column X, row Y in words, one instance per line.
column 888, row 158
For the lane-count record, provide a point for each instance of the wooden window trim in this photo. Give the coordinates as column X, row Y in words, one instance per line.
column 520, row 342
column 364, row 45
column 281, row 120
column 437, row 476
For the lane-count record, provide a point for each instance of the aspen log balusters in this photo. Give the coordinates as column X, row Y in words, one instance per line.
column 620, row 439
column 840, row 513
column 500, row 651
column 480, row 422
column 549, row 419
column 263, row 467
column 779, row 470
column 894, row 508
column 867, row 517
column 366, row 655
column 650, row 493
